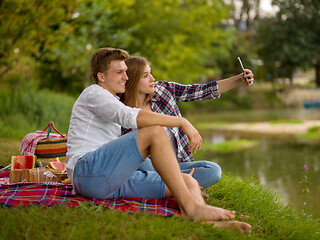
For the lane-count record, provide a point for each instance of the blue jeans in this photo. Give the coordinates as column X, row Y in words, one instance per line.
column 206, row 173
column 111, row 172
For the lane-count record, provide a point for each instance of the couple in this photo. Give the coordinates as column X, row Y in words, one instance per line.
column 103, row 164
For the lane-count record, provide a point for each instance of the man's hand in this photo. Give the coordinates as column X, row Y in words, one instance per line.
column 195, row 139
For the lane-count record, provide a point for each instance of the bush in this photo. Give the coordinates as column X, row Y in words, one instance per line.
column 27, row 110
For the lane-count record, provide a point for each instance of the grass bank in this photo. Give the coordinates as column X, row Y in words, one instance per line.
column 269, row 217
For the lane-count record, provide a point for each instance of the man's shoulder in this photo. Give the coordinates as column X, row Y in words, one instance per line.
column 95, row 90
column 92, row 87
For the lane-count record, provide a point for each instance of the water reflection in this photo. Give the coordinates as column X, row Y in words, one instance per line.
column 274, row 162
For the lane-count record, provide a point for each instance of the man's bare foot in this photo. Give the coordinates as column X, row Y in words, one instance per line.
column 205, row 212
column 244, row 217
column 229, row 225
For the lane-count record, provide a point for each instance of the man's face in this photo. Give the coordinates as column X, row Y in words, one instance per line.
column 115, row 78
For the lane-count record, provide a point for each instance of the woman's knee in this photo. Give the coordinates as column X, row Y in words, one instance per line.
column 213, row 173
column 206, row 173
column 215, row 169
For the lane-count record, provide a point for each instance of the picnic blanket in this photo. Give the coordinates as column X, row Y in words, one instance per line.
column 48, row 194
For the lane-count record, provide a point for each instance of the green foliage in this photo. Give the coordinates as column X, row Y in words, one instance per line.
column 291, row 38
column 57, row 38
column 314, row 129
column 286, row 122
column 177, row 37
column 27, row 27
column 24, row 111
column 312, row 136
column 230, row 146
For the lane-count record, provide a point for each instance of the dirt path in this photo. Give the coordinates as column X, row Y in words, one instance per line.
column 269, row 128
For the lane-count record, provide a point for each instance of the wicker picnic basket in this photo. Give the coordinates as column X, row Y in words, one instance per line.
column 48, row 149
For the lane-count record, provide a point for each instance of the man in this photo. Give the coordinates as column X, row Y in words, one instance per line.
column 102, row 165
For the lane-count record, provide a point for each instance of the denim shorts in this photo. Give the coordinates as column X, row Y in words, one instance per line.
column 111, row 172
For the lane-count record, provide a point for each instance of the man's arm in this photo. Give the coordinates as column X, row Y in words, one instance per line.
column 147, row 119
column 229, row 83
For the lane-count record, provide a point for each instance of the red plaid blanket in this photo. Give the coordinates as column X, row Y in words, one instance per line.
column 23, row 194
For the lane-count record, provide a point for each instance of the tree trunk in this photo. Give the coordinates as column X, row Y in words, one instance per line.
column 317, row 67
column 291, row 76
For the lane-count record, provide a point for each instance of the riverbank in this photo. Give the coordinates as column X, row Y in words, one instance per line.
column 268, row 128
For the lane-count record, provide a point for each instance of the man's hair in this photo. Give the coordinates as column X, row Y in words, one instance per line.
column 136, row 66
column 102, row 58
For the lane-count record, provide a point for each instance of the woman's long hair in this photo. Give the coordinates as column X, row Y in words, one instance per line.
column 136, row 66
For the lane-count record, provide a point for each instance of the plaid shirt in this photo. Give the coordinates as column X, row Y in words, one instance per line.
column 167, row 94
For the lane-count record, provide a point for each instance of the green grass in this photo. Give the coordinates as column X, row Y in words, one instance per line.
column 267, row 215
column 313, row 135
column 228, row 146
column 96, row 222
column 269, row 218
column 8, row 148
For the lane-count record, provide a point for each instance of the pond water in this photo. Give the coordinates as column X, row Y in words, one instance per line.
column 277, row 162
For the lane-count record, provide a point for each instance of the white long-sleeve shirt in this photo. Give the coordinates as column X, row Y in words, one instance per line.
column 96, row 119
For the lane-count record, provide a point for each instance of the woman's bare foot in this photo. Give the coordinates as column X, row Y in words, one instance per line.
column 205, row 212
column 229, row 225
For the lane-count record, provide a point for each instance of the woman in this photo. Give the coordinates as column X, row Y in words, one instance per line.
column 143, row 92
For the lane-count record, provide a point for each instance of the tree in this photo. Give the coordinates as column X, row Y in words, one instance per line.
column 28, row 26
column 292, row 37
column 243, row 18
column 176, row 36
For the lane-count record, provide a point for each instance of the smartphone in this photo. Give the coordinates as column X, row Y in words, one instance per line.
column 248, row 83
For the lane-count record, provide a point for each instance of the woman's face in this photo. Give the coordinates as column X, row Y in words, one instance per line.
column 146, row 83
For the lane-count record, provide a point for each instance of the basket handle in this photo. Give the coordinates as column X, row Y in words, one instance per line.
column 50, row 126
